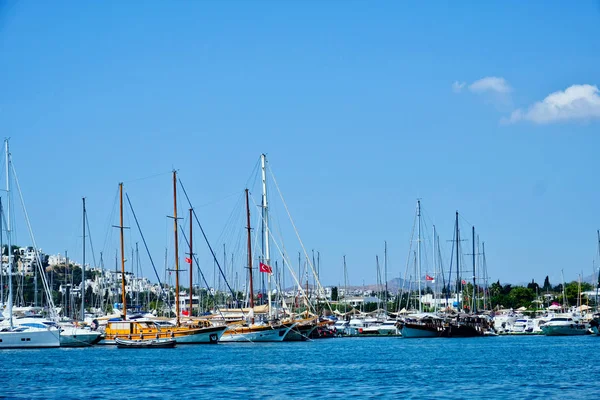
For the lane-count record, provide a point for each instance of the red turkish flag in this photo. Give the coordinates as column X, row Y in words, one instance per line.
column 188, row 260
column 265, row 268
column 428, row 278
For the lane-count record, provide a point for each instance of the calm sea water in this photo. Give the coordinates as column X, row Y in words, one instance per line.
column 491, row 367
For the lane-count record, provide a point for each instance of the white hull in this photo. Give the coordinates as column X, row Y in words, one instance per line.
column 29, row 338
column 265, row 335
column 418, row 333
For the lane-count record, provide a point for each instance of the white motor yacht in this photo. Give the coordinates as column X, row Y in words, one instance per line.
column 564, row 326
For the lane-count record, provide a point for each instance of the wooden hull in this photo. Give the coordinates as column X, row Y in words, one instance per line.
column 183, row 335
column 145, row 344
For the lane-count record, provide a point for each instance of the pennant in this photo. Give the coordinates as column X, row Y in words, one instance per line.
column 463, row 282
column 188, row 260
column 265, row 268
column 429, row 278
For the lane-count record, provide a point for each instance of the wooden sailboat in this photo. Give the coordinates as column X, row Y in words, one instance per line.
column 249, row 331
column 200, row 331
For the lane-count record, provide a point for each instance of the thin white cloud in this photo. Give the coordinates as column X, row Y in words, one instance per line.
column 457, row 86
column 577, row 102
column 490, row 84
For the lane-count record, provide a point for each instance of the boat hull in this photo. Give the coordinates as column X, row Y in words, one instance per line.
column 575, row 330
column 79, row 338
column 146, row 344
column 410, row 331
column 209, row 335
column 245, row 335
column 30, row 338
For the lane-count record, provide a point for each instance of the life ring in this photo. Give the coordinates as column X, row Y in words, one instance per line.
column 359, row 330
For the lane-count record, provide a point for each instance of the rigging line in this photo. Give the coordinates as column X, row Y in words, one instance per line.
column 146, row 246
column 408, row 258
column 90, row 237
column 303, row 293
column 147, row 177
column 320, row 287
column 203, row 278
column 50, row 300
column 206, row 240
column 218, row 200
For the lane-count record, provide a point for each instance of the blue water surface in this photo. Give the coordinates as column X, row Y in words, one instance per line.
column 491, row 367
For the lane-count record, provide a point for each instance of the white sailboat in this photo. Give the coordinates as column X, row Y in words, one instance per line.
column 12, row 334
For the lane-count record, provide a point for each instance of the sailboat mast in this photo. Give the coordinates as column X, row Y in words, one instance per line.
column 176, row 247
column 265, row 211
column 385, row 297
column 83, row 268
column 123, row 294
column 597, row 283
column 457, row 262
column 191, row 265
column 250, row 259
column 1, row 253
column 474, row 308
column 9, row 250
column 435, row 304
column 419, row 255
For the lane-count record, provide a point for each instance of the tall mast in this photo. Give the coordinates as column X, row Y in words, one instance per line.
column 83, row 267
column 123, row 294
column 385, row 276
column 191, row 265
column 250, row 259
column 597, row 283
column 474, row 308
column 435, row 304
column 345, row 285
column 2, row 253
column 9, row 249
column 176, row 247
column 419, row 254
column 265, row 211
column 457, row 263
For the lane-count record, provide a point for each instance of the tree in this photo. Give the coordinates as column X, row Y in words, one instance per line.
column 334, row 293
column 521, row 297
column 533, row 286
column 547, row 286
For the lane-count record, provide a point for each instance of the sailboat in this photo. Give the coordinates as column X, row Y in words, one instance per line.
column 12, row 333
column 421, row 325
column 250, row 331
column 200, row 331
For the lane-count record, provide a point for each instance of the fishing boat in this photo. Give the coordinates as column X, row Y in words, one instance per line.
column 13, row 334
column 145, row 343
column 196, row 332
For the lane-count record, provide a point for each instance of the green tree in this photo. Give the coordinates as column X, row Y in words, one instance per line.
column 521, row 297
column 547, row 286
column 334, row 293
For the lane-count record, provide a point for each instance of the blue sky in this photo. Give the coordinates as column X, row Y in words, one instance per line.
column 362, row 107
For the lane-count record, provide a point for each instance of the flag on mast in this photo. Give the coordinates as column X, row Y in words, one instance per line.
column 265, row 268
column 188, row 260
column 429, row 278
